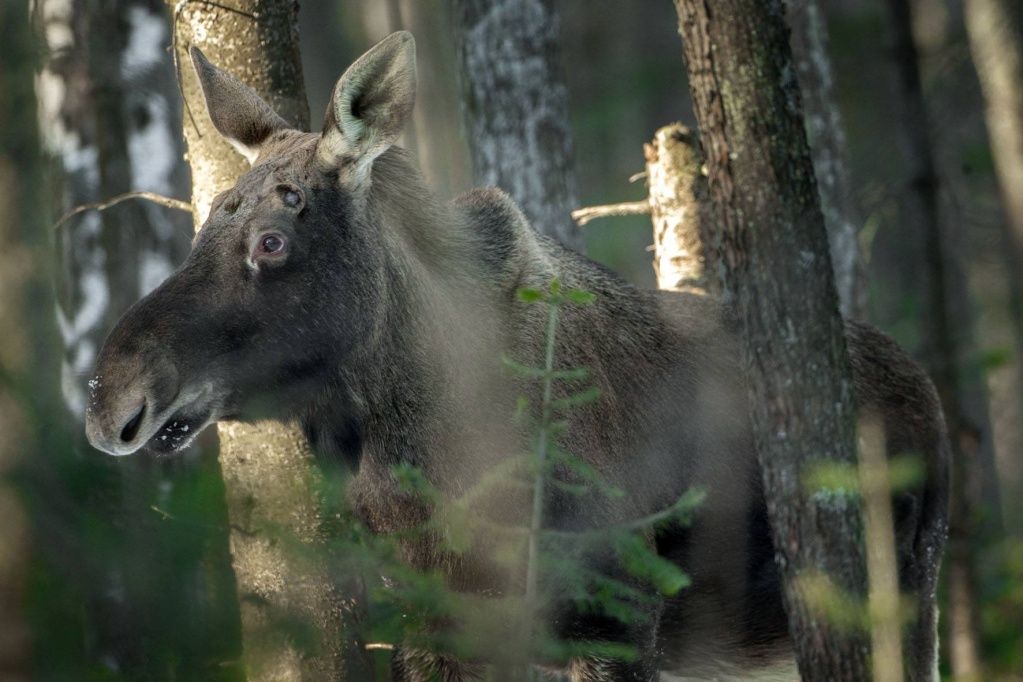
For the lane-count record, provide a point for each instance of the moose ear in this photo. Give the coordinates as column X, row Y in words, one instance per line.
column 237, row 112
column 371, row 104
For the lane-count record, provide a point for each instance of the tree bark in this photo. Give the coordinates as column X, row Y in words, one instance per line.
column 108, row 101
column 680, row 211
column 269, row 473
column 515, row 108
column 827, row 146
column 109, row 109
column 440, row 145
column 934, row 281
column 995, row 30
column 774, row 257
column 23, row 394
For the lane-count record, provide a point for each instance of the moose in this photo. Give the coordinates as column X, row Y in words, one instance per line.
column 329, row 287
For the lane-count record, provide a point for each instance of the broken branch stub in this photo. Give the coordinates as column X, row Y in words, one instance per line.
column 680, row 211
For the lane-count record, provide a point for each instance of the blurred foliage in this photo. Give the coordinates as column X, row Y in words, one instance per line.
column 1002, row 613
column 402, row 606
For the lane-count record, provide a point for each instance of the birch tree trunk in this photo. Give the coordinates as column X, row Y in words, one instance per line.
column 109, row 112
column 515, row 107
column 995, row 30
column 680, row 210
column 269, row 473
column 108, row 101
column 934, row 281
column 774, row 256
column 828, row 150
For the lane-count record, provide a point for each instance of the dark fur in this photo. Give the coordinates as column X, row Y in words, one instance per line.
column 382, row 332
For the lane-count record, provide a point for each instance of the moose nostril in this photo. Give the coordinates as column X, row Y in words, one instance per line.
column 131, row 429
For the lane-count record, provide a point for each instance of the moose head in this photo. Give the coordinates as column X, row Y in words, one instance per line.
column 287, row 277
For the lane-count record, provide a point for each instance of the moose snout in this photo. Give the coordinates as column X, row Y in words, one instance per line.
column 125, row 399
column 115, row 423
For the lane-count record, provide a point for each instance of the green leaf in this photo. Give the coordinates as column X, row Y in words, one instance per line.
column 905, row 471
column 643, row 562
column 528, row 295
column 832, row 477
column 591, row 478
column 584, row 397
column 573, row 374
column 995, row 358
column 524, row 370
column 581, row 297
column 412, row 480
column 521, row 407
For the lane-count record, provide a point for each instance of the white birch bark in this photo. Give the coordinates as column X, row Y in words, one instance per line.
column 270, row 477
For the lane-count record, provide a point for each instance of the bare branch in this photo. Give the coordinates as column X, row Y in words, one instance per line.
column 104, row 205
column 588, row 213
column 378, row 646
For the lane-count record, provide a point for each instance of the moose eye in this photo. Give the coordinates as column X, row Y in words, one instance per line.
column 271, row 244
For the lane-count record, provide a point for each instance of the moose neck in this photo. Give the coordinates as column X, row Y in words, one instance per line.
column 431, row 375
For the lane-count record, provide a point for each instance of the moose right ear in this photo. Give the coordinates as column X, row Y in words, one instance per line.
column 370, row 106
column 237, row 112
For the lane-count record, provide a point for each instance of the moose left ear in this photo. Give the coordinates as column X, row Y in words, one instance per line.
column 371, row 104
column 237, row 112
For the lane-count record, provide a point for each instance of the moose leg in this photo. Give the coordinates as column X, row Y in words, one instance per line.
column 418, row 665
column 639, row 635
column 602, row 669
column 608, row 670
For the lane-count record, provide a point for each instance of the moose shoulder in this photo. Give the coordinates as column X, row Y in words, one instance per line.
column 329, row 286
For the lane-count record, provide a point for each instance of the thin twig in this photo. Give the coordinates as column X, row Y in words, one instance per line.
column 641, row 175
column 378, row 646
column 235, row 10
column 104, row 205
column 178, row 8
column 585, row 215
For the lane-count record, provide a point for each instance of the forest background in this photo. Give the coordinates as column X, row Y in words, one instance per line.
column 129, row 575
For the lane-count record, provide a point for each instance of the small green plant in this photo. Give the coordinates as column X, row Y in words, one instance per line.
column 401, row 606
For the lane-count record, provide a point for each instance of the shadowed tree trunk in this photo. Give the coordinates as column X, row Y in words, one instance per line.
column 934, row 281
column 109, row 110
column 269, row 473
column 443, row 154
column 828, row 149
column 995, row 29
column 777, row 273
column 24, row 393
column 515, row 107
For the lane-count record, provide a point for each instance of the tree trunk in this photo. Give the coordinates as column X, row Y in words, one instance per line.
column 995, row 29
column 680, row 211
column 109, row 109
column 269, row 472
column 934, row 281
column 515, row 107
column 440, row 144
column 23, row 394
column 827, row 147
column 107, row 100
column 774, row 257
